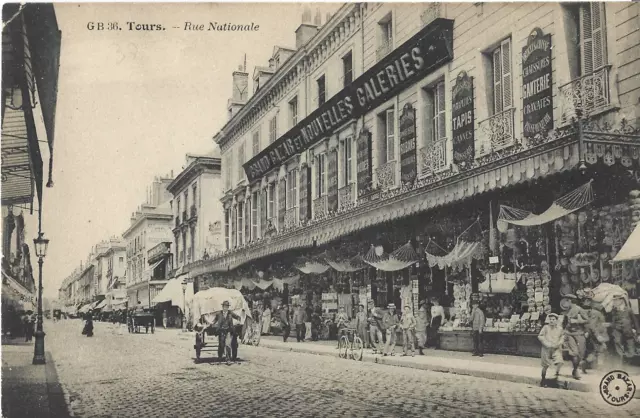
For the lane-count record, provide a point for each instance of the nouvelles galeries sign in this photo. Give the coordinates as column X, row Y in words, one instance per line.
column 427, row 50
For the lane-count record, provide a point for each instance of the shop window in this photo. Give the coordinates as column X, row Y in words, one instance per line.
column 321, row 91
column 273, row 129
column 254, row 215
column 387, row 135
column 348, row 161
column 293, row 111
column 256, row 142
column 347, row 69
column 321, row 173
column 292, row 186
column 240, row 161
column 501, row 75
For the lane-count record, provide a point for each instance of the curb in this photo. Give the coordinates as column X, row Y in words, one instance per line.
column 57, row 402
column 390, row 361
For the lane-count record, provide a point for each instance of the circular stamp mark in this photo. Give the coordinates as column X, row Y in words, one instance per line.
column 617, row 388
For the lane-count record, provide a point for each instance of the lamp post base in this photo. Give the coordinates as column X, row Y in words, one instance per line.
column 38, row 353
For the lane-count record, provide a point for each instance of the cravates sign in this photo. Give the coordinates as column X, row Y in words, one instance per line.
column 537, row 100
column 363, row 158
column 427, row 50
column 462, row 115
column 408, row 159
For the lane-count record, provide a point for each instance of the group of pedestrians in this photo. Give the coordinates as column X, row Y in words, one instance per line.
column 300, row 317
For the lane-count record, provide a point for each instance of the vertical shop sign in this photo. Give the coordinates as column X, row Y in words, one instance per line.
column 305, row 192
column 408, row 158
column 363, row 159
column 462, row 120
column 537, row 94
column 332, row 181
column 282, row 203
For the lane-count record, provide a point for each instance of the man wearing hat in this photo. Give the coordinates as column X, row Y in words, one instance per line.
column 224, row 322
column 375, row 327
column 597, row 335
column 390, row 323
column 422, row 322
column 575, row 332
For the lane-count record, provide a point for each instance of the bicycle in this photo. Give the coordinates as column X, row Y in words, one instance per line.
column 350, row 345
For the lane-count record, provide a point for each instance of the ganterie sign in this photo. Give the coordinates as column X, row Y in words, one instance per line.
column 364, row 171
column 332, row 181
column 427, row 50
column 408, row 157
column 462, row 120
column 305, row 192
column 537, row 86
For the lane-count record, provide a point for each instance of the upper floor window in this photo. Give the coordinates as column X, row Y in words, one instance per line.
column 347, row 69
column 271, row 191
column 240, row 224
column 348, row 161
column 256, row 143
column 273, row 129
column 321, row 175
column 293, row 111
column 227, row 229
column 240, row 161
column 435, row 123
column 186, row 199
column 385, row 36
column 178, row 205
column 226, row 169
column 501, row 76
column 120, row 261
column 254, row 215
column 387, row 135
column 587, row 41
column 321, row 91
column 292, row 186
column 194, row 192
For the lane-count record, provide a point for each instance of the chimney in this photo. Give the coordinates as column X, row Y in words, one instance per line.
column 239, row 89
column 306, row 30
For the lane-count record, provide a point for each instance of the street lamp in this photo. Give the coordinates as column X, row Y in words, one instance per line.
column 41, row 244
column 184, row 305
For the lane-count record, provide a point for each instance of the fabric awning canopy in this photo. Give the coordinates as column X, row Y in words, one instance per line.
column 101, row 304
column 400, row 259
column 149, row 272
column 172, row 292
column 631, row 249
column 85, row 308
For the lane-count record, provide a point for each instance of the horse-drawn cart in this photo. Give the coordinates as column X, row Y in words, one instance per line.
column 141, row 319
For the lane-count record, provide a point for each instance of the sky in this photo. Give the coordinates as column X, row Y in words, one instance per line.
column 131, row 104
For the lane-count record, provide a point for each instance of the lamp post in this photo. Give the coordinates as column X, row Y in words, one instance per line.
column 184, row 305
column 41, row 245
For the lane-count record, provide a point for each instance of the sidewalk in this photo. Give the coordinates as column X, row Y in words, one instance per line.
column 29, row 390
column 492, row 366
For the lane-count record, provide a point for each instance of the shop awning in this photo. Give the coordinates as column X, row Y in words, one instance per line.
column 631, row 249
column 101, row 304
column 172, row 292
column 16, row 286
column 148, row 273
column 85, row 308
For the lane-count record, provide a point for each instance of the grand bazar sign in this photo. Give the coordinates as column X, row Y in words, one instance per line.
column 537, row 94
column 425, row 51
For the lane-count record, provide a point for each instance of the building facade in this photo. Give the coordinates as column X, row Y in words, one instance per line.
column 150, row 226
column 197, row 210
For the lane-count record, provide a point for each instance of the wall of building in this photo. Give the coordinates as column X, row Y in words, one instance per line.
column 211, row 218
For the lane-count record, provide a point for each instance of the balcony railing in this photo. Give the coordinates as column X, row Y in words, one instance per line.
column 386, row 175
column 496, row 133
column 320, row 207
column 383, row 50
column 345, row 197
column 291, row 218
column 193, row 211
column 434, row 157
column 431, row 12
column 584, row 95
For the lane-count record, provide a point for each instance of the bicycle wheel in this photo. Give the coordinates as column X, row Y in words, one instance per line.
column 343, row 346
column 357, row 349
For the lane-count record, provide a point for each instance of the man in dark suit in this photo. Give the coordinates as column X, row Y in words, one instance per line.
column 224, row 323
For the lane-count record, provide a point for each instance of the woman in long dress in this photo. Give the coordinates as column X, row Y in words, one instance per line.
column 266, row 320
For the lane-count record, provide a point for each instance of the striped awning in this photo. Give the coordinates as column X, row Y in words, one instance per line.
column 17, row 181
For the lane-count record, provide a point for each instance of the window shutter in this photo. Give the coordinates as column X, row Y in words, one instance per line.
column 586, row 40
column 497, row 81
column 390, row 138
column 247, row 221
column 507, row 100
column 282, row 203
column 442, row 116
column 599, row 41
column 430, row 123
column 263, row 210
column 234, row 228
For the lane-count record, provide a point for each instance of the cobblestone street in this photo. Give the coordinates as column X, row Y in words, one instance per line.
column 115, row 374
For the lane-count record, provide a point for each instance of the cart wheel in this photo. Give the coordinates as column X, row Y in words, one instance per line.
column 153, row 329
column 357, row 349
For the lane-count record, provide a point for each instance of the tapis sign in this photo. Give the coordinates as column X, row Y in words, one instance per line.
column 462, row 120
column 427, row 50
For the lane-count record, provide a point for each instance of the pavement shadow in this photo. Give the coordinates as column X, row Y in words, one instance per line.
column 215, row 361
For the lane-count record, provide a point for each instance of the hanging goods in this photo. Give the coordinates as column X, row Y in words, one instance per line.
column 563, row 206
column 400, row 259
column 631, row 249
column 311, row 266
column 468, row 247
column 343, row 265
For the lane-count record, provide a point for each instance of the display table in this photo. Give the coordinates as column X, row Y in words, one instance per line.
column 511, row 343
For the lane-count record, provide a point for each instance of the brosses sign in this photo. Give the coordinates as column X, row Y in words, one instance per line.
column 427, row 50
